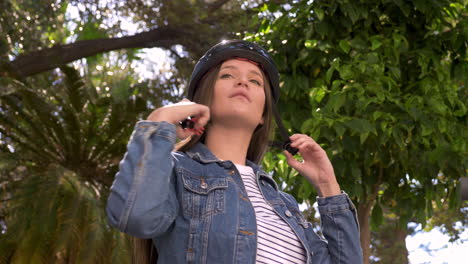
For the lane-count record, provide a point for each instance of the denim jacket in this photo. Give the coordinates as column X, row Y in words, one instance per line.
column 196, row 209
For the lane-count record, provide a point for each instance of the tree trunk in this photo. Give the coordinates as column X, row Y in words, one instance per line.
column 59, row 55
column 397, row 251
column 402, row 253
column 364, row 210
column 389, row 241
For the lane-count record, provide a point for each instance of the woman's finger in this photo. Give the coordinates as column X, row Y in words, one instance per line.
column 180, row 111
column 291, row 160
column 297, row 136
column 298, row 141
column 306, row 148
column 203, row 116
column 184, row 133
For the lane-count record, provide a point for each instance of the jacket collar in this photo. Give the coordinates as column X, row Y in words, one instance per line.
column 202, row 154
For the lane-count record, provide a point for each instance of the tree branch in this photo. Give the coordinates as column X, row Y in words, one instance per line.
column 56, row 56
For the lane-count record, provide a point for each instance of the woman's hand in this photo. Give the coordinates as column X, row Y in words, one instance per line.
column 316, row 166
column 177, row 112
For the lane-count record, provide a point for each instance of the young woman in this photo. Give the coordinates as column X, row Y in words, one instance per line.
column 210, row 201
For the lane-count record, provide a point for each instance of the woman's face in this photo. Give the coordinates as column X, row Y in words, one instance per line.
column 239, row 95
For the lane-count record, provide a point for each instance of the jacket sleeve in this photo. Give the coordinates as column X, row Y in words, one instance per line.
column 341, row 228
column 142, row 200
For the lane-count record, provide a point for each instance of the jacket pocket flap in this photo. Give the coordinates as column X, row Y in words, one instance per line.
column 203, row 185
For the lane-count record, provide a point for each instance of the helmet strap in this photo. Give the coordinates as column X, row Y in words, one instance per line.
column 286, row 145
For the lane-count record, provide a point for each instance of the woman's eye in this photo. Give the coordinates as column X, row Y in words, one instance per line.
column 256, row 82
column 225, row 76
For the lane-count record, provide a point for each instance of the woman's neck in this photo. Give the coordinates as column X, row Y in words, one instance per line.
column 227, row 143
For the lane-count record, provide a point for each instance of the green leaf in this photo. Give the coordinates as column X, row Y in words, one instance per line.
column 345, row 46
column 358, row 43
column 310, row 43
column 395, row 71
column 329, row 74
column 320, row 13
column 360, row 125
column 317, row 94
column 346, row 72
column 306, row 189
column 403, row 7
column 356, row 173
column 336, row 101
column 377, row 216
column 400, row 42
column 351, row 11
column 429, row 209
column 376, row 43
column 92, row 30
column 376, row 115
column 357, row 190
column 363, row 137
column 372, row 58
column 438, row 105
column 322, row 28
column 339, row 128
column 307, row 126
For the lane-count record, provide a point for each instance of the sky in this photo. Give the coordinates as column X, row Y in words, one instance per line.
column 440, row 250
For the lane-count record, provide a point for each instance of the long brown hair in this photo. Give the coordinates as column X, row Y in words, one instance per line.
column 143, row 249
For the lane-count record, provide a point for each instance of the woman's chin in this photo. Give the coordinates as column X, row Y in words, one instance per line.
column 238, row 118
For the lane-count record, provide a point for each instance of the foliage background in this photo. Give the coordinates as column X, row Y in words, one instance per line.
column 380, row 84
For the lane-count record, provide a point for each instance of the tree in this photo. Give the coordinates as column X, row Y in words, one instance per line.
column 164, row 24
column 381, row 86
column 61, row 147
column 63, row 132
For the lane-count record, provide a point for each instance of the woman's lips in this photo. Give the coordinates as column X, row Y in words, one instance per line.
column 240, row 94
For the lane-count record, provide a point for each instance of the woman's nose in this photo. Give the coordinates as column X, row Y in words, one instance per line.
column 242, row 81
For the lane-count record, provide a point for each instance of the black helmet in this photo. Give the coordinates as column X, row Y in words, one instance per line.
column 227, row 49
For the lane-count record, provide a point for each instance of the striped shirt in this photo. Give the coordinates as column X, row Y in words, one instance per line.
column 277, row 242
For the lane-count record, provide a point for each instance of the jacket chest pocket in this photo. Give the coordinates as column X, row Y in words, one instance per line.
column 203, row 196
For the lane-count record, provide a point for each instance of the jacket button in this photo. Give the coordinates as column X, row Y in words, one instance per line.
column 288, row 213
column 203, row 185
column 311, row 253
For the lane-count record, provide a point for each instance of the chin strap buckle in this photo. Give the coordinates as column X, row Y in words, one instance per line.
column 287, row 146
column 189, row 122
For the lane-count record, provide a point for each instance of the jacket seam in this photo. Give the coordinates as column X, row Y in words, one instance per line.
column 136, row 182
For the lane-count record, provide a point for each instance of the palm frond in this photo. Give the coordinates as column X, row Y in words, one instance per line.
column 61, row 214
